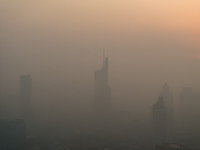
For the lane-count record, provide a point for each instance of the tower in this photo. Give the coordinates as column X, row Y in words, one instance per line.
column 189, row 112
column 167, row 96
column 102, row 91
column 168, row 100
column 159, row 121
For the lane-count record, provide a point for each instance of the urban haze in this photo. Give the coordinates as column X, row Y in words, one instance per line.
column 103, row 75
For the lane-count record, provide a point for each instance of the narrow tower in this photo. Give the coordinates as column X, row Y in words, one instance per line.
column 159, row 122
column 102, row 91
column 168, row 100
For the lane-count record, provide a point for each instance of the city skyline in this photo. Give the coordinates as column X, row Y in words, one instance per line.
column 103, row 121
column 53, row 82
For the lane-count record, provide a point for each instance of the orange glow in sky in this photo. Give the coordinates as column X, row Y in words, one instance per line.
column 118, row 16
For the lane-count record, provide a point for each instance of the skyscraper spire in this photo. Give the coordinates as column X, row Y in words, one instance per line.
column 102, row 91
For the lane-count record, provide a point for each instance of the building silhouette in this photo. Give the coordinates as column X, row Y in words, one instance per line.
column 167, row 96
column 102, row 92
column 159, row 119
column 168, row 100
column 12, row 135
column 25, row 99
column 189, row 112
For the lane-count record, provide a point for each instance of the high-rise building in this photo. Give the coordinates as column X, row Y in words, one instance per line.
column 168, row 100
column 159, row 118
column 25, row 98
column 102, row 91
column 167, row 96
column 189, row 111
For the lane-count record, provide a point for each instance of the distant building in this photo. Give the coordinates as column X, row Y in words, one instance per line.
column 167, row 96
column 102, row 91
column 159, row 119
column 189, row 111
column 25, row 99
column 168, row 100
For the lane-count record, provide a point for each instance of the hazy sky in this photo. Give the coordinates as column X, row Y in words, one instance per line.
column 60, row 42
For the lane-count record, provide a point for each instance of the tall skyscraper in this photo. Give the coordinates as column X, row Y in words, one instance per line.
column 25, row 98
column 102, row 91
column 168, row 100
column 159, row 119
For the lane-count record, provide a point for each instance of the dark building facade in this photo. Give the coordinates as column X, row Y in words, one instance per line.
column 102, row 91
column 12, row 135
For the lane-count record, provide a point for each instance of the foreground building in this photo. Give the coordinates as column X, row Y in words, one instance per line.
column 12, row 135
